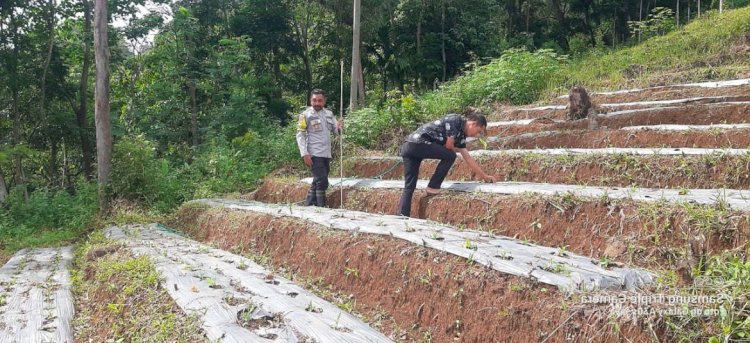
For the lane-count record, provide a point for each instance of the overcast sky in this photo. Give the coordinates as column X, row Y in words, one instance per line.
column 163, row 9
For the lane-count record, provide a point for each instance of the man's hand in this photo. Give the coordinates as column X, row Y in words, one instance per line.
column 489, row 179
column 308, row 160
column 340, row 125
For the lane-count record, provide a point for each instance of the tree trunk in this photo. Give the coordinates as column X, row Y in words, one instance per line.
column 18, row 174
column 48, row 59
column 561, row 24
column 442, row 40
column 356, row 61
column 678, row 13
column 193, row 113
column 53, row 150
column 301, row 30
column 640, row 19
column 65, row 172
column 3, row 188
column 82, row 110
column 699, row 8
column 43, row 98
column 103, row 125
column 361, row 98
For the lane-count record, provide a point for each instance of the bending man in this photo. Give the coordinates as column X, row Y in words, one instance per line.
column 439, row 140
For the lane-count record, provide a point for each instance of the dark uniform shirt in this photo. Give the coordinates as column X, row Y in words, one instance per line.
column 440, row 130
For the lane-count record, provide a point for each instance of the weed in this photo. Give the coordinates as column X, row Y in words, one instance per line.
column 312, row 308
column 426, row 278
column 555, row 267
column 242, row 265
column 353, row 272
column 535, row 225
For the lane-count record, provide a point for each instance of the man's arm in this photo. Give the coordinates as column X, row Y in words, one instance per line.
column 450, row 144
column 333, row 125
column 302, row 139
column 474, row 166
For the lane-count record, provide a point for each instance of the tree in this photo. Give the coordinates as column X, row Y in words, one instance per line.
column 356, row 92
column 81, row 110
column 3, row 188
column 103, row 125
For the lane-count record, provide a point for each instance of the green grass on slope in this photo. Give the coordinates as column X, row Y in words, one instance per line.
column 708, row 48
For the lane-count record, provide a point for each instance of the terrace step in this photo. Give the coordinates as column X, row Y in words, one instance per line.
column 568, row 272
column 560, row 111
column 690, row 168
column 702, row 89
column 36, row 303
column 693, row 114
column 224, row 289
column 655, row 136
column 735, row 198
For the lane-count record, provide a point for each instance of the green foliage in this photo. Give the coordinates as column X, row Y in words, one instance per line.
column 517, row 77
column 726, row 277
column 579, row 44
column 121, row 298
column 367, row 126
column 138, row 175
column 680, row 53
column 141, row 175
column 48, row 218
column 659, row 22
column 733, row 322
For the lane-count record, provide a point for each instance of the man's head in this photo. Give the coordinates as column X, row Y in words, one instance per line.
column 318, row 99
column 476, row 123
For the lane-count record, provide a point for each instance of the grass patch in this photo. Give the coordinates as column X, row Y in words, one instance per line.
column 119, row 298
column 701, row 50
column 727, row 279
column 49, row 218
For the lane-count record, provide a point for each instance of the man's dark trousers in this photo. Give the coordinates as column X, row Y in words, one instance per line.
column 321, row 166
column 413, row 154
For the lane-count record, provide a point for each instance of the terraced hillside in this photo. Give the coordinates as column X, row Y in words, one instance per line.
column 591, row 217
column 666, row 197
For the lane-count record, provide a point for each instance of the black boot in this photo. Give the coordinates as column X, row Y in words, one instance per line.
column 320, row 198
column 310, row 200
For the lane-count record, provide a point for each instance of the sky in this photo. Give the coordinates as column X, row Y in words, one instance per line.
column 144, row 10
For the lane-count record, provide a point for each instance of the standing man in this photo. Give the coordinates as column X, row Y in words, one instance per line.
column 440, row 140
column 314, row 130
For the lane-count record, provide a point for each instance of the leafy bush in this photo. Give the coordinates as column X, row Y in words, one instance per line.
column 48, row 217
column 368, row 127
column 138, row 175
column 517, row 77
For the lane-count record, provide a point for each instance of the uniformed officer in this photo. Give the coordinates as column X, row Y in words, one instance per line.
column 314, row 128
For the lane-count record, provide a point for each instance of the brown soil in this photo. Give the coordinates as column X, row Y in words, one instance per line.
column 616, row 170
column 592, row 139
column 700, row 114
column 124, row 306
column 648, row 236
column 427, row 293
column 4, row 257
column 663, row 93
